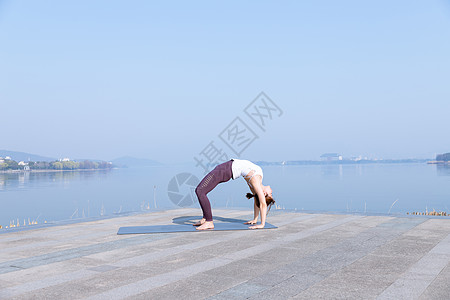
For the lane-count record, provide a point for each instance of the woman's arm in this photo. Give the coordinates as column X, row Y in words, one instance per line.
column 255, row 207
column 257, row 187
column 255, row 214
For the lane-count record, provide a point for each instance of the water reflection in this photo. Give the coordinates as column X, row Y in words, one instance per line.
column 332, row 171
column 26, row 180
column 443, row 170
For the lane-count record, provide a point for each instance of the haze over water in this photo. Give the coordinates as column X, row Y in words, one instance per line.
column 370, row 188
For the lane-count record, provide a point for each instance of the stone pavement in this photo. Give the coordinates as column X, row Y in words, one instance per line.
column 310, row 256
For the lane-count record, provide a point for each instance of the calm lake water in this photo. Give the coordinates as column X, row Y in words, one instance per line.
column 370, row 188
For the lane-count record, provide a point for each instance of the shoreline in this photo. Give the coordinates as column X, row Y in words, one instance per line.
column 439, row 162
column 275, row 212
column 51, row 171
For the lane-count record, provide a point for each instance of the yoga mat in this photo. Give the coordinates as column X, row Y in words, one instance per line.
column 185, row 228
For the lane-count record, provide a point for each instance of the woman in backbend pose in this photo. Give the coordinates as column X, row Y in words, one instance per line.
column 233, row 169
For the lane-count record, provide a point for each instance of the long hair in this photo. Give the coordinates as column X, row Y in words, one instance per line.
column 269, row 200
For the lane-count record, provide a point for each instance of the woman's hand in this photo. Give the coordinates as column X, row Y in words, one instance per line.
column 250, row 222
column 260, row 226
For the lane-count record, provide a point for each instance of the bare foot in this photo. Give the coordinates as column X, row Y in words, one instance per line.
column 207, row 225
column 201, row 222
column 260, row 226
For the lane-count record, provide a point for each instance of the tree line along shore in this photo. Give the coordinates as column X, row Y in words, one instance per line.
column 9, row 165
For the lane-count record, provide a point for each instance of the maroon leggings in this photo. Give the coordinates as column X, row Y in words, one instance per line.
column 221, row 173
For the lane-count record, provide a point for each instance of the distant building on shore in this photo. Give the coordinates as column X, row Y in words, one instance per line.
column 2, row 159
column 443, row 157
column 330, row 157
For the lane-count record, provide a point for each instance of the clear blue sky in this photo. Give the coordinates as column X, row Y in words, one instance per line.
column 102, row 79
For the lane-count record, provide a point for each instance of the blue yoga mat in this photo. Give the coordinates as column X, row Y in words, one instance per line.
column 185, row 228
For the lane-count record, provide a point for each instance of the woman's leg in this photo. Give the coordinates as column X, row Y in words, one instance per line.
column 204, row 187
column 219, row 174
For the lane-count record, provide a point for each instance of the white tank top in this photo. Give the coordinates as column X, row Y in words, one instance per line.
column 243, row 167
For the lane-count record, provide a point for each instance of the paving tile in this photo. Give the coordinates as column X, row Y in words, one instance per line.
column 196, row 287
column 314, row 256
column 241, row 291
column 419, row 276
column 289, row 287
column 103, row 268
column 33, row 261
column 40, row 287
column 243, row 269
column 4, row 284
column 171, row 263
column 439, row 287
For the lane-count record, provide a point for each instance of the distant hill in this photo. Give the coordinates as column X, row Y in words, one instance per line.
column 22, row 156
column 129, row 161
